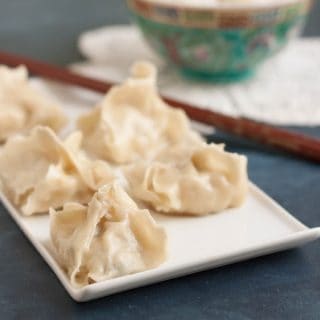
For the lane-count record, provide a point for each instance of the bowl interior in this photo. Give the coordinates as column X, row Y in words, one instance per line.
column 221, row 4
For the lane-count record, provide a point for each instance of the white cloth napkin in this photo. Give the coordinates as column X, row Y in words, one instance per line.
column 286, row 89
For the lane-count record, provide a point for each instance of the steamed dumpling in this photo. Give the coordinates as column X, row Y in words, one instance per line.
column 108, row 238
column 190, row 180
column 132, row 122
column 39, row 171
column 22, row 107
column 93, row 172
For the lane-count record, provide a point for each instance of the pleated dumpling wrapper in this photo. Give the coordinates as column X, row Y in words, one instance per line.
column 108, row 238
column 133, row 122
column 38, row 171
column 194, row 180
column 22, row 107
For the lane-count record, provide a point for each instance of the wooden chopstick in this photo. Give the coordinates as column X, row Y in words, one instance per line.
column 301, row 145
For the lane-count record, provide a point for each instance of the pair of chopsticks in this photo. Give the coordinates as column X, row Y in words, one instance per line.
column 301, row 145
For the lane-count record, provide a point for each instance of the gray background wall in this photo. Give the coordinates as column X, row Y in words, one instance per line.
column 31, row 28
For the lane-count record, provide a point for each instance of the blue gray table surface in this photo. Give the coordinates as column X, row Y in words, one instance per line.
column 279, row 286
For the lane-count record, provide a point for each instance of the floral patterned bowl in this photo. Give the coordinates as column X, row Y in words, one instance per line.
column 219, row 43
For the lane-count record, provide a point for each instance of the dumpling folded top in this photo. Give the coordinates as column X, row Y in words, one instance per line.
column 22, row 107
column 39, row 171
column 133, row 122
column 190, row 180
column 108, row 238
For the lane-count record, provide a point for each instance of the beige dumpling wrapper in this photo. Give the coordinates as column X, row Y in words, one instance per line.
column 22, row 107
column 193, row 180
column 39, row 171
column 108, row 238
column 133, row 122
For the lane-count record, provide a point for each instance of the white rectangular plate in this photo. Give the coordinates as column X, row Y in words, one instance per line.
column 259, row 227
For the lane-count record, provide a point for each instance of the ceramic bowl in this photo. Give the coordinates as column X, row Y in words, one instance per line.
column 223, row 42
